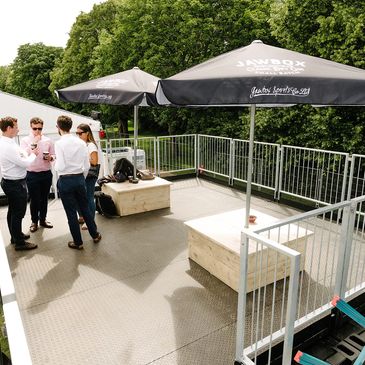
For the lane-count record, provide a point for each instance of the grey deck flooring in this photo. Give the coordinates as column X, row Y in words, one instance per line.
column 134, row 298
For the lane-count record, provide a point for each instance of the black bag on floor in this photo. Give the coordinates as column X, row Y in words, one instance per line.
column 105, row 205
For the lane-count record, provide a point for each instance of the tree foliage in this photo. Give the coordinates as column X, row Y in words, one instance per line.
column 4, row 75
column 164, row 37
column 30, row 72
column 333, row 30
column 76, row 65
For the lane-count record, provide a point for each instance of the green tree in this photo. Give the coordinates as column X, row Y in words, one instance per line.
column 30, row 72
column 294, row 22
column 332, row 29
column 4, row 75
column 76, row 64
column 164, row 37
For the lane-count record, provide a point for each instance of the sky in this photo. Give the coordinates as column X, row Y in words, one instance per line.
column 34, row 21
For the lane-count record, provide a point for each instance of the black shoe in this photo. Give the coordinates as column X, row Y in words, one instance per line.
column 24, row 237
column 25, row 246
column 46, row 224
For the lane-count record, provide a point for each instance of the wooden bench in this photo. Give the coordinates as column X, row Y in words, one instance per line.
column 214, row 243
column 137, row 198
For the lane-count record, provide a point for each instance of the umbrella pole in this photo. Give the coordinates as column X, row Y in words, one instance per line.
column 250, row 162
column 135, row 143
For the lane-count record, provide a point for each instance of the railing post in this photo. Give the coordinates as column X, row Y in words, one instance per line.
column 197, row 154
column 158, row 155
column 352, row 159
column 242, row 289
column 343, row 192
column 231, row 162
column 348, row 221
column 281, row 171
column 277, row 173
column 291, row 311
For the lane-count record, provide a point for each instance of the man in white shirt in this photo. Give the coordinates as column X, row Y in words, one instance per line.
column 72, row 165
column 13, row 164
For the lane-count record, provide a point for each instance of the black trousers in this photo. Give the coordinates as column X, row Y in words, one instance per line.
column 16, row 192
column 39, row 184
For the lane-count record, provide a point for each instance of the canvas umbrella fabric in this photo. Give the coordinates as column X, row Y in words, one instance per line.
column 131, row 87
column 263, row 75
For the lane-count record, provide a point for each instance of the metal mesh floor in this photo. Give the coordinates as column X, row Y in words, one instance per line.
column 135, row 298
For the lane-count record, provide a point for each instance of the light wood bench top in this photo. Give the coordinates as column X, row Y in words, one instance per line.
column 225, row 228
column 142, row 184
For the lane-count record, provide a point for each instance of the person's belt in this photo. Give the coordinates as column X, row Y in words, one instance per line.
column 14, row 180
column 66, row 175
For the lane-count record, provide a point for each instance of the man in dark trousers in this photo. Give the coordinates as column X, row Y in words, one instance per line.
column 39, row 174
column 13, row 164
column 72, row 165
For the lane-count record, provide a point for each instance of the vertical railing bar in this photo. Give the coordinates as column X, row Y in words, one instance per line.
column 265, row 286
column 273, row 304
column 242, row 296
column 337, row 185
column 298, row 170
column 259, row 294
column 307, row 175
column 291, row 310
column 327, row 178
column 254, row 291
column 319, row 261
column 327, row 255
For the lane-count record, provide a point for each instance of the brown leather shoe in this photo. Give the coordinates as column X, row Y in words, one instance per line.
column 73, row 245
column 97, row 238
column 25, row 246
column 33, row 227
column 46, row 224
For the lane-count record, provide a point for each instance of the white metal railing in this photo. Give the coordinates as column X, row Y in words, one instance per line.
column 124, row 147
column 318, row 176
column 331, row 242
column 14, row 327
column 176, row 154
column 265, row 163
column 313, row 174
column 256, row 326
column 356, row 185
column 214, row 155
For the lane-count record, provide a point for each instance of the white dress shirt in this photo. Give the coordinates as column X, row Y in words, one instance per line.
column 13, row 160
column 72, row 156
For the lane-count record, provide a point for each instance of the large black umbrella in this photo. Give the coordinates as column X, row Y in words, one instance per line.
column 267, row 76
column 131, row 87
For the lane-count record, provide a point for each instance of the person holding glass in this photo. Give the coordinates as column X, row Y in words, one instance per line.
column 84, row 132
column 13, row 164
column 39, row 174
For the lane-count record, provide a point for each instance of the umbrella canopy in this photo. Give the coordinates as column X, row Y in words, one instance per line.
column 263, row 74
column 131, row 87
column 267, row 76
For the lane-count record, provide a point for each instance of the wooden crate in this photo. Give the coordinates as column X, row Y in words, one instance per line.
column 137, row 198
column 214, row 243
